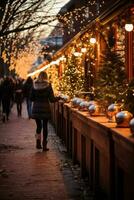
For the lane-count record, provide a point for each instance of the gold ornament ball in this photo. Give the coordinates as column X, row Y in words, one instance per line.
column 94, row 110
column 131, row 125
column 123, row 118
column 83, row 106
column 112, row 110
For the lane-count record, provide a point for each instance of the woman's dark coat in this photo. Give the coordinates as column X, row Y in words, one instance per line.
column 27, row 87
column 42, row 95
column 19, row 92
column 6, row 90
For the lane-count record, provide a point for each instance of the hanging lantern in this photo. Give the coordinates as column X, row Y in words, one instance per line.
column 129, row 27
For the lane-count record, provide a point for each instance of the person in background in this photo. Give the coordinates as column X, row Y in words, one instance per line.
column 12, row 81
column 28, row 84
column 19, row 95
column 42, row 95
column 6, row 96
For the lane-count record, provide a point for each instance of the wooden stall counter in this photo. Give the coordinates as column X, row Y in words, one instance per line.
column 93, row 149
column 105, row 153
column 124, row 163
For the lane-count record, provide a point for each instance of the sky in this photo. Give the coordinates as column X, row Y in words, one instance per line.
column 54, row 11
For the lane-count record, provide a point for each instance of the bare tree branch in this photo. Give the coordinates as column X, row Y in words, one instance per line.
column 21, row 15
column 21, row 23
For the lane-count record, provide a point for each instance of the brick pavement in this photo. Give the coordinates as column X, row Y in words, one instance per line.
column 30, row 174
column 27, row 173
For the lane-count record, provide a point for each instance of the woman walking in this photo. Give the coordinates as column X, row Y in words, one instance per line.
column 42, row 95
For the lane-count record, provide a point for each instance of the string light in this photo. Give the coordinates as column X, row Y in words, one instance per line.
column 83, row 50
column 77, row 54
column 81, row 13
column 56, row 62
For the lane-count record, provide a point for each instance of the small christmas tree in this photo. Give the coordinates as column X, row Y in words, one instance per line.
column 111, row 82
column 72, row 82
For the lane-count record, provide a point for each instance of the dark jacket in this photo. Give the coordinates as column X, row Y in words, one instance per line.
column 41, row 95
column 6, row 90
column 19, row 92
column 27, row 87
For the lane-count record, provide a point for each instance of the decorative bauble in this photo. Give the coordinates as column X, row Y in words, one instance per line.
column 65, row 98
column 123, row 118
column 112, row 110
column 91, row 103
column 83, row 106
column 78, row 101
column 94, row 109
column 73, row 101
column 131, row 125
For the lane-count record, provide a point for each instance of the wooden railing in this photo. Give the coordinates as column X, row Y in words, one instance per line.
column 105, row 153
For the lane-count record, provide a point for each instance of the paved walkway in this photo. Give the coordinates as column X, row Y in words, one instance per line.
column 30, row 174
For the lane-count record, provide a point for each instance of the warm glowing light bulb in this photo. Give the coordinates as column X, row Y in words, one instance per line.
column 77, row 54
column 129, row 27
column 83, row 50
column 92, row 40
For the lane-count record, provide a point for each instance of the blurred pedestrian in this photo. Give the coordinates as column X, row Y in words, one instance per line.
column 28, row 84
column 6, row 96
column 19, row 95
column 12, row 81
column 41, row 95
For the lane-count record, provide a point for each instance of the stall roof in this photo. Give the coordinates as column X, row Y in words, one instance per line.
column 104, row 17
